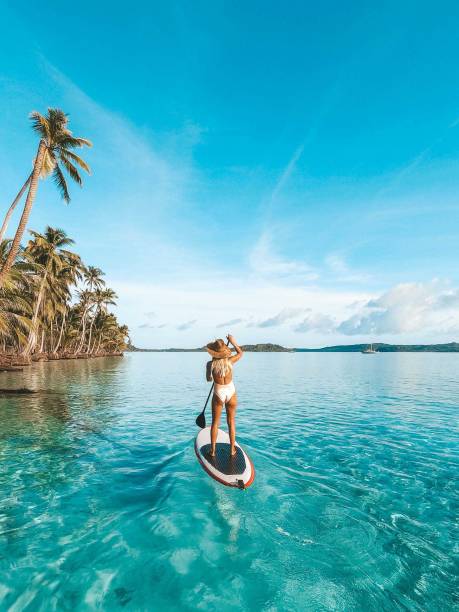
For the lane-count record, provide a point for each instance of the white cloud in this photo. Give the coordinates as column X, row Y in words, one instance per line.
column 406, row 308
column 341, row 270
column 287, row 314
column 212, row 300
column 316, row 322
column 410, row 312
column 186, row 325
column 288, row 170
column 416, row 309
column 266, row 263
column 449, row 299
column 231, row 322
column 151, row 326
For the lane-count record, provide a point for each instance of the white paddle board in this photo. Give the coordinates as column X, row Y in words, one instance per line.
column 237, row 471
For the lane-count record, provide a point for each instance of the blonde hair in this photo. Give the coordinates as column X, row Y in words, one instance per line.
column 221, row 367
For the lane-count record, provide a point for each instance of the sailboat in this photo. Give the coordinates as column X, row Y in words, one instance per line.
column 369, row 350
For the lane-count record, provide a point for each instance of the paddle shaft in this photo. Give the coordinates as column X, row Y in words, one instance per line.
column 208, row 397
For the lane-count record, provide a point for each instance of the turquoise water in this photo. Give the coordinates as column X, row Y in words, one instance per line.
column 354, row 507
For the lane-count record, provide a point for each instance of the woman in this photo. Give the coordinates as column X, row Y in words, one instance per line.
column 220, row 370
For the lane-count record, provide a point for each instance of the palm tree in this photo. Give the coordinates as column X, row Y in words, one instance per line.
column 93, row 279
column 48, row 255
column 15, row 309
column 110, row 335
column 10, row 211
column 85, row 298
column 102, row 299
column 37, row 309
column 66, row 278
column 54, row 149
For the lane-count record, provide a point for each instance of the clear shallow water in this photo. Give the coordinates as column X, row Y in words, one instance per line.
column 355, row 504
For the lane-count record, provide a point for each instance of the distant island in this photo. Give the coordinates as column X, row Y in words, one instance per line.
column 450, row 347
column 250, row 348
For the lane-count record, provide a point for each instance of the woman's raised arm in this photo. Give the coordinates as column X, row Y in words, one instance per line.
column 237, row 348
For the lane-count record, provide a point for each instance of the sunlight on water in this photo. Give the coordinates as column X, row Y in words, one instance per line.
column 354, row 506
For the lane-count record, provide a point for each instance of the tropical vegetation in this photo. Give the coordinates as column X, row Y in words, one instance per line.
column 53, row 306
column 55, row 152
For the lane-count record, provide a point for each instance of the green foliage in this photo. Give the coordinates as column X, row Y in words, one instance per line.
column 51, row 302
column 54, row 132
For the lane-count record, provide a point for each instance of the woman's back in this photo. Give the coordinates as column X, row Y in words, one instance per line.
column 221, row 370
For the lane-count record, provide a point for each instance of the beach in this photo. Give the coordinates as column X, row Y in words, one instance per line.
column 354, row 505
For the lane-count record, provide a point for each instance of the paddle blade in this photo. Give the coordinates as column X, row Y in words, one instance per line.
column 201, row 420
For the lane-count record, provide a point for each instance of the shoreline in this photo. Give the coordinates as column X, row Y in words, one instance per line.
column 11, row 362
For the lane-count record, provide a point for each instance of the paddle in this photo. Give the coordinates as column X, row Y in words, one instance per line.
column 201, row 418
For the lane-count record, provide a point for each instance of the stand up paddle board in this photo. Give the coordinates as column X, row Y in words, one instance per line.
column 237, row 471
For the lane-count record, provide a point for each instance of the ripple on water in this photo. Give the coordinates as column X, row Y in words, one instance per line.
column 354, row 506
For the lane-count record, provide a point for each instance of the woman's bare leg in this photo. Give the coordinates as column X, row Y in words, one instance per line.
column 216, row 413
column 231, row 420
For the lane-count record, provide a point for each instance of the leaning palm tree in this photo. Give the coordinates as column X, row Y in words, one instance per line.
column 54, row 150
column 10, row 211
column 49, row 256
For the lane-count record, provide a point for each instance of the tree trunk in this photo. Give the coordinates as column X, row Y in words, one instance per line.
column 25, row 213
column 12, row 207
column 90, row 334
column 98, row 346
column 83, row 332
column 56, row 348
column 94, row 344
column 33, row 330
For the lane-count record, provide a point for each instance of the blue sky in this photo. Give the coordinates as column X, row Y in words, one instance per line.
column 287, row 172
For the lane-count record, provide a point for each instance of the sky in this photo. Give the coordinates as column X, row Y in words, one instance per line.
column 286, row 172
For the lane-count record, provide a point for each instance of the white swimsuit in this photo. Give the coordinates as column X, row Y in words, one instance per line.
column 225, row 392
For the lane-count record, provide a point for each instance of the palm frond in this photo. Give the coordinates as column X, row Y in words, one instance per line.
column 66, row 154
column 57, row 237
column 57, row 120
column 49, row 163
column 35, row 234
column 61, row 183
column 73, row 172
column 5, row 246
column 40, row 125
column 72, row 142
column 83, row 142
